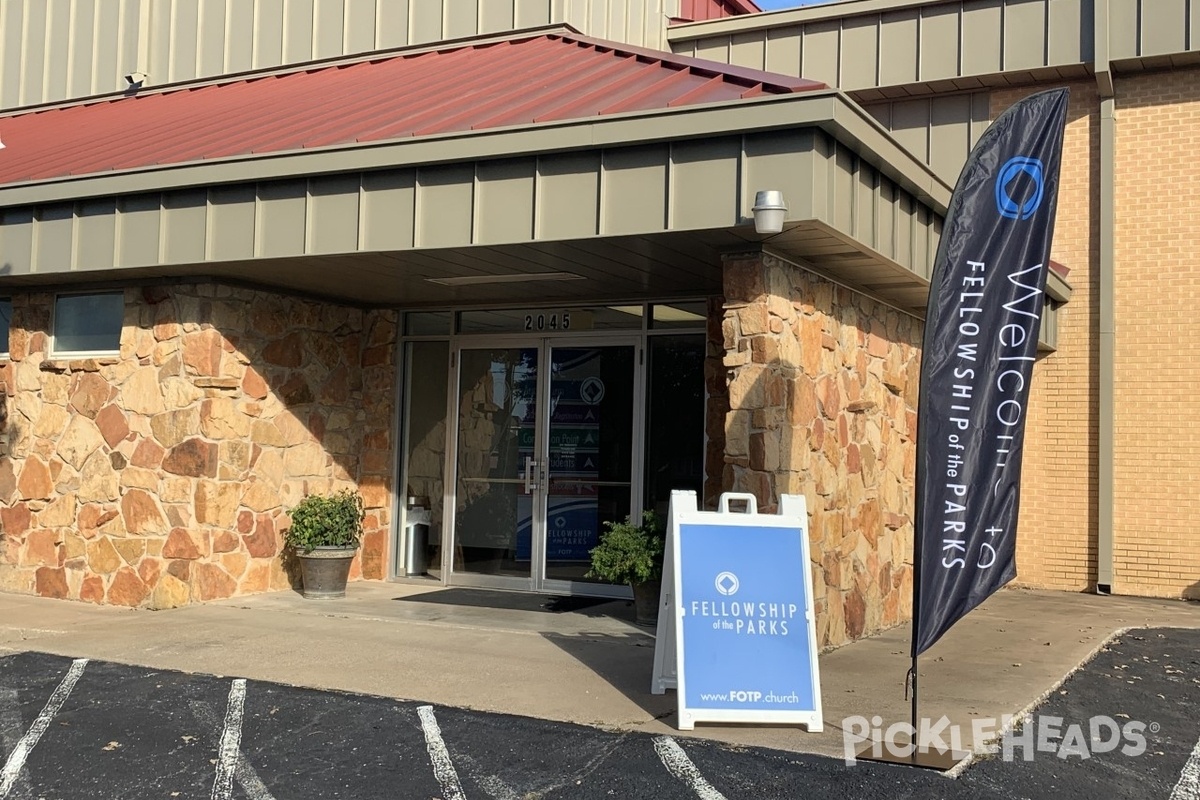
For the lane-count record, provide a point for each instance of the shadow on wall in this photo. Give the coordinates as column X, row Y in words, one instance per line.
column 163, row 475
column 818, row 389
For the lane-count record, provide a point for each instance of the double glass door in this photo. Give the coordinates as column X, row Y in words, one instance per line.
column 544, row 456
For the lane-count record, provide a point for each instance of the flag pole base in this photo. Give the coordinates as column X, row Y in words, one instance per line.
column 933, row 758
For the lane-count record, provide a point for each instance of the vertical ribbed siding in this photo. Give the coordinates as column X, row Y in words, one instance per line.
column 53, row 50
column 697, row 184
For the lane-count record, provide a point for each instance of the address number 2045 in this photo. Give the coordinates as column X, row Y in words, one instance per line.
column 548, row 322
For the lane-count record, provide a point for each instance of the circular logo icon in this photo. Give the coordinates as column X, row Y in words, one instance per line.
column 560, row 522
column 591, row 391
column 1020, row 187
column 727, row 583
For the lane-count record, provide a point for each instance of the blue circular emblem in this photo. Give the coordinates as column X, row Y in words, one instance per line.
column 1025, row 203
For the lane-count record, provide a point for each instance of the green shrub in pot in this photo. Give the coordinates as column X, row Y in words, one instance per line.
column 333, row 520
column 632, row 554
column 324, row 535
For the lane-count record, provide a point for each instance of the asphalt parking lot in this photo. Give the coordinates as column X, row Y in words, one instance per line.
column 76, row 729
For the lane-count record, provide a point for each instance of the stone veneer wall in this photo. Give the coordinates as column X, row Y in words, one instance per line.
column 822, row 396
column 163, row 476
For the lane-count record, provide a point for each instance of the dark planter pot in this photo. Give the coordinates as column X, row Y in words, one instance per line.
column 645, row 602
column 325, row 571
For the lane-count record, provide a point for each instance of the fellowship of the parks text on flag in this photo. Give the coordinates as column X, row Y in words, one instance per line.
column 980, row 344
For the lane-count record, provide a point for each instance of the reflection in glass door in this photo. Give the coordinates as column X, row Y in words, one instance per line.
column 546, row 453
column 589, row 463
column 497, row 411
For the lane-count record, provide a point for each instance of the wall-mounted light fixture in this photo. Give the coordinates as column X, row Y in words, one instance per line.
column 769, row 210
column 136, row 79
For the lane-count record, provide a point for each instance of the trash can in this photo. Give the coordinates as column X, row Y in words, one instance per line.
column 416, row 556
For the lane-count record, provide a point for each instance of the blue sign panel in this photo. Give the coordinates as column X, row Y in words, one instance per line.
column 745, row 629
column 572, row 527
column 739, row 642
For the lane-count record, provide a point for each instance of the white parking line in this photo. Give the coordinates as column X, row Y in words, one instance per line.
column 439, row 756
column 11, row 729
column 1188, row 787
column 244, row 772
column 679, row 765
column 16, row 759
column 231, row 741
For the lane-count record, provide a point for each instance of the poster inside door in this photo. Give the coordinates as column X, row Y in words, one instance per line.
column 572, row 506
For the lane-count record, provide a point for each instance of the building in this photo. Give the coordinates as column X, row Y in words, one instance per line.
column 493, row 264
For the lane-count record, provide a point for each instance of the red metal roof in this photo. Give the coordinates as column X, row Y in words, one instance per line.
column 700, row 10
column 519, row 81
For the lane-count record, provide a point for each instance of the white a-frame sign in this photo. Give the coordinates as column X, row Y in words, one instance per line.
column 737, row 635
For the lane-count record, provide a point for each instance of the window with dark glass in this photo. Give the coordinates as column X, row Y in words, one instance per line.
column 88, row 323
column 5, row 321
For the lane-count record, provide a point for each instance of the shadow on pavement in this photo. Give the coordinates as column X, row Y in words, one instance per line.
column 626, row 661
column 525, row 601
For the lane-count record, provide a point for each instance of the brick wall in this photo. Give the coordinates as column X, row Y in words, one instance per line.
column 1056, row 539
column 164, row 475
column 1157, row 322
column 822, row 391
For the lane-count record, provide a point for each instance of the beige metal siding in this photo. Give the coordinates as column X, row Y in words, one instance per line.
column 819, row 51
column 1025, row 34
column 700, row 184
column 53, row 50
column 568, row 194
column 874, row 210
column 53, row 238
column 696, row 167
column 1143, row 28
column 846, row 209
column 333, row 214
column 505, row 199
column 138, row 230
column 280, row 214
column 183, row 225
column 861, row 70
column 230, row 223
column 445, row 206
column 16, row 241
column 982, row 47
column 899, row 43
column 637, row 175
column 771, row 163
column 388, row 209
column 96, row 235
column 939, row 130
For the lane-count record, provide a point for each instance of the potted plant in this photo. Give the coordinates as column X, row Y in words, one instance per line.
column 324, row 534
column 632, row 554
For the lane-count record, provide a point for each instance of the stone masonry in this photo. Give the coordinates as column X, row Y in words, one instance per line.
column 821, row 389
column 163, row 476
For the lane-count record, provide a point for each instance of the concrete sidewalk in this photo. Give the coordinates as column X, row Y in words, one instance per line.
column 586, row 664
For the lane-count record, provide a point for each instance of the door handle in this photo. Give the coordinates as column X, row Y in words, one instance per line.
column 530, row 465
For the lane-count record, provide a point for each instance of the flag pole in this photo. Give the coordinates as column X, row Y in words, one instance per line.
column 912, row 672
column 986, row 296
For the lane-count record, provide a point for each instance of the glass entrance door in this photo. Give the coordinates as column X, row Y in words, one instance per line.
column 589, row 459
column 546, row 453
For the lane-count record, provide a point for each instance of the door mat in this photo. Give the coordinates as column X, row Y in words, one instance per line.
column 516, row 601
